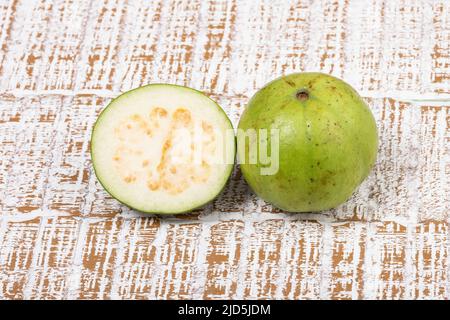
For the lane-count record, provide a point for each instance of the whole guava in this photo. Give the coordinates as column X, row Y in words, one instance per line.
column 327, row 142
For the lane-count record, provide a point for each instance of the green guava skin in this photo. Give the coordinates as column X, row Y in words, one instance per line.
column 328, row 143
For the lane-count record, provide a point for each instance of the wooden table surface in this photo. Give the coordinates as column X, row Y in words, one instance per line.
column 63, row 237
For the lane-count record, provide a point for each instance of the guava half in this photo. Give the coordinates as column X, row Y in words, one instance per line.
column 327, row 142
column 163, row 149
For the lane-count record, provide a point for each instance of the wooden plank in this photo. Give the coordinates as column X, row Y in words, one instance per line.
column 302, row 267
column 135, row 269
column 52, row 259
column 431, row 261
column 62, row 52
column 70, row 183
column 222, row 260
column 213, row 49
column 16, row 255
column 24, row 44
column 409, row 178
column 99, row 251
column 164, row 50
column 440, row 78
column 33, row 138
column 69, row 173
column 386, row 265
column 115, row 45
column 346, row 279
column 10, row 117
column 414, row 133
column 176, row 254
column 143, row 26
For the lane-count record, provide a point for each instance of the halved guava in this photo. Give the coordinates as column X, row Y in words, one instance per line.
column 163, row 149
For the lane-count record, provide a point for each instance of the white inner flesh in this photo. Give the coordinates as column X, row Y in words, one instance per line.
column 163, row 149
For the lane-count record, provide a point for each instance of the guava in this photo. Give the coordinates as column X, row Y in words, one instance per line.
column 163, row 149
column 327, row 142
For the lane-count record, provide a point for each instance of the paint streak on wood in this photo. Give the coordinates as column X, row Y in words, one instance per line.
column 52, row 258
column 430, row 278
column 346, row 280
column 16, row 256
column 301, row 258
column 135, row 272
column 97, row 259
column 62, row 236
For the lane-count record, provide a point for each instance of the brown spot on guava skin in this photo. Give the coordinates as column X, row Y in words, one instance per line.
column 324, row 181
column 289, row 82
column 145, row 163
column 312, row 82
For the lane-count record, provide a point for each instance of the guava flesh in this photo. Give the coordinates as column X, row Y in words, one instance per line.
column 155, row 149
column 327, row 141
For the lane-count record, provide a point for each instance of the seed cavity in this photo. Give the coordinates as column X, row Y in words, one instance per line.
column 182, row 116
column 207, row 128
column 153, row 186
column 163, row 173
column 158, row 112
